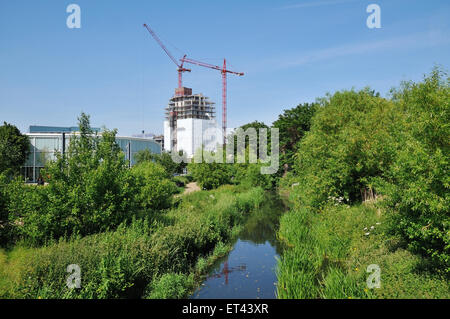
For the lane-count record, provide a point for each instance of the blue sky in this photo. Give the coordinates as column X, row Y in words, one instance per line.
column 290, row 51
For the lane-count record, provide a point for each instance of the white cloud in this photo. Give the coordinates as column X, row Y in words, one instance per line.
column 417, row 40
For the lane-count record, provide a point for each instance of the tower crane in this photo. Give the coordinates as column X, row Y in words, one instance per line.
column 224, row 72
column 181, row 69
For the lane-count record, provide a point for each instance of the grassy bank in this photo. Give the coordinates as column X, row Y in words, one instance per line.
column 328, row 254
column 157, row 258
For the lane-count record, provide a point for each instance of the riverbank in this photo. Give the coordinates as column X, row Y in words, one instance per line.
column 329, row 252
column 150, row 258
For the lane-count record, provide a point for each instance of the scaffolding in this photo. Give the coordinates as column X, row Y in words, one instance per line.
column 185, row 105
column 189, row 106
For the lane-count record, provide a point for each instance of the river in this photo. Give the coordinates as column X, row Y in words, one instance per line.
column 248, row 271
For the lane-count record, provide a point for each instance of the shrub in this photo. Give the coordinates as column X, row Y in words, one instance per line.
column 164, row 159
column 155, row 189
column 170, row 286
column 417, row 185
column 209, row 174
column 350, row 141
column 249, row 175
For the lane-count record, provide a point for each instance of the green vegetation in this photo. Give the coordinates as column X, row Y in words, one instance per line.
column 164, row 159
column 123, row 227
column 417, row 184
column 368, row 183
column 154, row 186
column 14, row 149
column 292, row 126
column 140, row 259
column 328, row 254
column 391, row 154
column 209, row 174
column 90, row 189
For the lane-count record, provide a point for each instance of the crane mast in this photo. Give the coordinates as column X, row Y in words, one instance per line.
column 224, row 72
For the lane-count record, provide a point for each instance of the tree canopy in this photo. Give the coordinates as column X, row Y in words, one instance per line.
column 14, row 149
column 292, row 125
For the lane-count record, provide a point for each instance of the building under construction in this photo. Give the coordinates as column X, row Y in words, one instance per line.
column 190, row 123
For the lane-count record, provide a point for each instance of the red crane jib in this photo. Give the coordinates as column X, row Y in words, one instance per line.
column 181, row 69
column 224, row 72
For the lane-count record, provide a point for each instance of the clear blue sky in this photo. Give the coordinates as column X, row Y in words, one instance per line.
column 291, row 52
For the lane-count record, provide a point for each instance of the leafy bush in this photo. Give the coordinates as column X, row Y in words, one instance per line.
column 155, row 189
column 164, row 159
column 417, row 185
column 250, row 175
column 350, row 141
column 209, row 174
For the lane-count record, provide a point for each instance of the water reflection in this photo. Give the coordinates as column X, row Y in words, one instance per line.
column 248, row 271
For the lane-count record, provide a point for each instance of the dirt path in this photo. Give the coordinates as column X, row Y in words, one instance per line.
column 191, row 187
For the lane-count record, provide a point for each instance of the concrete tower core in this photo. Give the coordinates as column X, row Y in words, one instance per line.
column 190, row 122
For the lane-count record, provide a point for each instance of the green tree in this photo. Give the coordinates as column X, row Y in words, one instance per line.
column 292, row 126
column 257, row 126
column 351, row 140
column 90, row 189
column 14, row 149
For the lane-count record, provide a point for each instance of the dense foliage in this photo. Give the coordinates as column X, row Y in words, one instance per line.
column 90, row 189
column 208, row 173
column 153, row 185
column 350, row 142
column 293, row 124
column 164, row 159
column 14, row 149
column 250, row 175
column 5, row 227
column 394, row 152
column 418, row 182
column 134, row 259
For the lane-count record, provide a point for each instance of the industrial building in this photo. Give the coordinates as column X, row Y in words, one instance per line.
column 190, row 123
column 45, row 141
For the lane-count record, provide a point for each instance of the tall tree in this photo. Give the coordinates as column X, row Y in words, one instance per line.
column 255, row 125
column 292, row 125
column 14, row 149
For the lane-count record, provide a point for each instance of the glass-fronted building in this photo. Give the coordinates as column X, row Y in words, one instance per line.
column 46, row 141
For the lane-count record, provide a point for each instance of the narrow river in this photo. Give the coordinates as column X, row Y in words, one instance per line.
column 248, row 271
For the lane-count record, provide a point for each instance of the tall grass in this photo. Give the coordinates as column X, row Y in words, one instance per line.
column 327, row 255
column 132, row 260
